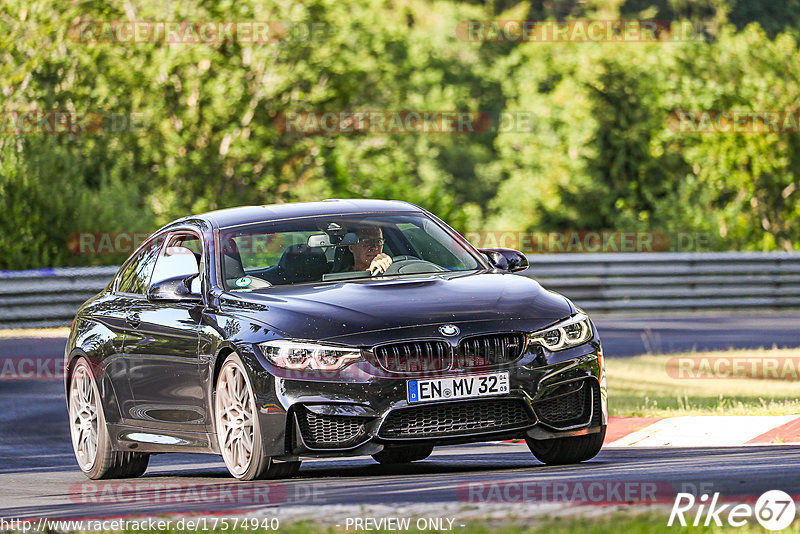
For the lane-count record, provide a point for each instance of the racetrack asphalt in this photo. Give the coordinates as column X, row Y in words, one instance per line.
column 39, row 477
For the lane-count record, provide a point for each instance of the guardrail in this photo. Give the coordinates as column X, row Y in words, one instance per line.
column 48, row 297
column 673, row 281
column 611, row 283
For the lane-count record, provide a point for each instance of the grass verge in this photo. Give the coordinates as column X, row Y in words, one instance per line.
column 679, row 384
column 629, row 521
column 34, row 332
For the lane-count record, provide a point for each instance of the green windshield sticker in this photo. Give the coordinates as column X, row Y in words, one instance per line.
column 243, row 281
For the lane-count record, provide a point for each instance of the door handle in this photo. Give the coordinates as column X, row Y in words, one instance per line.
column 133, row 320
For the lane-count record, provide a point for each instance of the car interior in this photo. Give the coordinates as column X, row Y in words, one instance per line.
column 323, row 257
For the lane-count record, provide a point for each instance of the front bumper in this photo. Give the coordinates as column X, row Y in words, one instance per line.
column 551, row 395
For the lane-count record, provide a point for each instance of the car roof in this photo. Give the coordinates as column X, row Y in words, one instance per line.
column 334, row 206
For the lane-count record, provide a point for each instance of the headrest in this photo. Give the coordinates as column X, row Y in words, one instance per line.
column 302, row 263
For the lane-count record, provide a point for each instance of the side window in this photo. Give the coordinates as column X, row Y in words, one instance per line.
column 181, row 257
column 136, row 276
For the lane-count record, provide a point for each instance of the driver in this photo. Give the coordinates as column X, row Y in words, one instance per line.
column 367, row 253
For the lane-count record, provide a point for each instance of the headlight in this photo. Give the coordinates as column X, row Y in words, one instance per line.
column 568, row 333
column 303, row 355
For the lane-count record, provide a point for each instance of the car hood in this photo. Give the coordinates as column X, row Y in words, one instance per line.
column 358, row 311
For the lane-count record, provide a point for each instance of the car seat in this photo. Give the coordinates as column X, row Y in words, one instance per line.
column 301, row 263
column 343, row 260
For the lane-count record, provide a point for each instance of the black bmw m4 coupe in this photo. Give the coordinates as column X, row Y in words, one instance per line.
column 269, row 334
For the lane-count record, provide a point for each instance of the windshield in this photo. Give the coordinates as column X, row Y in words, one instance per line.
column 335, row 248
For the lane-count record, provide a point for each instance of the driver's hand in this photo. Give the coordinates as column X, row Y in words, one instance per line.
column 379, row 264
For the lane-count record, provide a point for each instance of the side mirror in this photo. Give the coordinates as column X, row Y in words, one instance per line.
column 506, row 259
column 175, row 289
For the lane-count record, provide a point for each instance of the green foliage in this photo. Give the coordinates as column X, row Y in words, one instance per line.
column 608, row 155
column 749, row 180
column 601, row 154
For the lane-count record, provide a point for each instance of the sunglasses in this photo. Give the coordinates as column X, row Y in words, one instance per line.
column 376, row 242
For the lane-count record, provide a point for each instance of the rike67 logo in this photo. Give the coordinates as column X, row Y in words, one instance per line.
column 774, row 510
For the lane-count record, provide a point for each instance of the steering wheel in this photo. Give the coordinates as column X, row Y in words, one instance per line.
column 411, row 265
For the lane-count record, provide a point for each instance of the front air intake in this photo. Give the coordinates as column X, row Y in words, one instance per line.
column 330, row 431
column 457, row 419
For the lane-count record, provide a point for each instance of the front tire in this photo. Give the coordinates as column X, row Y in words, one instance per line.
column 571, row 450
column 403, row 455
column 238, row 427
column 90, row 438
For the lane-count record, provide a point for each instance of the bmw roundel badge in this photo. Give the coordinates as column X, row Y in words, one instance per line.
column 449, row 330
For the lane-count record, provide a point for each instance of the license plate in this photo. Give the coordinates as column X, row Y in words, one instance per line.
column 457, row 387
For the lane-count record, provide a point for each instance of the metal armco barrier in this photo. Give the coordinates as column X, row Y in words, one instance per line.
column 613, row 283
column 672, row 281
column 48, row 297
